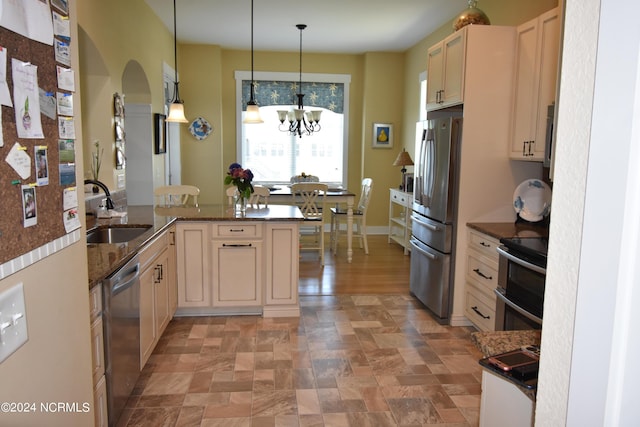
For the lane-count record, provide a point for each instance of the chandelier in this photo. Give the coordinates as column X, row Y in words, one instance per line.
column 176, row 109
column 300, row 121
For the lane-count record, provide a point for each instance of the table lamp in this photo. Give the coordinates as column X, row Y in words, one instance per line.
column 403, row 159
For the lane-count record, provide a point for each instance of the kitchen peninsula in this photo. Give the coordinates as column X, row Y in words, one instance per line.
column 225, row 263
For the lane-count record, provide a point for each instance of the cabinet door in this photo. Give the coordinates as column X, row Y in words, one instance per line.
column 194, row 289
column 454, row 61
column 97, row 349
column 147, row 318
column 435, row 65
column 100, row 403
column 161, row 294
column 536, row 67
column 171, row 275
column 237, row 273
column 282, row 254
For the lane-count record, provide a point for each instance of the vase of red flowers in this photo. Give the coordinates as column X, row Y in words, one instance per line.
column 241, row 179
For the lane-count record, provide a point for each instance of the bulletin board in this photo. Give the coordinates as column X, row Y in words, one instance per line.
column 41, row 207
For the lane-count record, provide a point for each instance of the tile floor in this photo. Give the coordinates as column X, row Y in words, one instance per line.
column 374, row 360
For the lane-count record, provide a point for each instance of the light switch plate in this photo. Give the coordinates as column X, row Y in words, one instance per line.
column 13, row 321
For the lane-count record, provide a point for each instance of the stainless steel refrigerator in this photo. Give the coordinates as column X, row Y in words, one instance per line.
column 434, row 211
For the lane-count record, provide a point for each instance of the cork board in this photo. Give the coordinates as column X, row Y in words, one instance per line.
column 15, row 238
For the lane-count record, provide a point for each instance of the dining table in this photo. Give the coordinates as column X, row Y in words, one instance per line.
column 281, row 195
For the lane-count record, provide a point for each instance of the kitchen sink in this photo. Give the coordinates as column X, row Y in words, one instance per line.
column 116, row 234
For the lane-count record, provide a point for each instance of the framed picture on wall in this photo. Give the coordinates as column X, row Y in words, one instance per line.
column 160, row 134
column 382, row 135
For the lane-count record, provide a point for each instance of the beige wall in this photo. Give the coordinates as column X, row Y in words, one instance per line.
column 105, row 51
column 54, row 365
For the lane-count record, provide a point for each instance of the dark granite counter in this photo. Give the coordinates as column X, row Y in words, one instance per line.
column 105, row 258
column 499, row 230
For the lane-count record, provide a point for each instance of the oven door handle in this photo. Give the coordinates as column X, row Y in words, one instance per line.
column 519, row 261
column 502, row 297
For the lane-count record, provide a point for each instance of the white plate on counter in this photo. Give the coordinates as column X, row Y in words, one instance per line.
column 532, row 200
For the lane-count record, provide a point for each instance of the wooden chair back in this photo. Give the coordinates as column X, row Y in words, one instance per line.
column 260, row 194
column 176, row 195
column 310, row 198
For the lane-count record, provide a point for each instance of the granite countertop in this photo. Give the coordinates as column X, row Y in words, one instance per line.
column 496, row 342
column 499, row 230
column 105, row 258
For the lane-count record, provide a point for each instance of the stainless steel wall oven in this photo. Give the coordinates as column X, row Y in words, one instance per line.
column 521, row 283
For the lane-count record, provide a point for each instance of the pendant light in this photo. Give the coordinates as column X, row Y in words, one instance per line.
column 252, row 116
column 300, row 121
column 176, row 109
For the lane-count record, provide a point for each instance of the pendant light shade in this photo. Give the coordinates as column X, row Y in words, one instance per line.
column 176, row 109
column 252, row 116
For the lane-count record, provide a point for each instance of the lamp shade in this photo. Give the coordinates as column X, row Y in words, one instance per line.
column 252, row 115
column 176, row 113
column 403, row 159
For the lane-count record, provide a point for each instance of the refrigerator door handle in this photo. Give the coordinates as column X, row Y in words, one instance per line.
column 422, row 251
column 425, row 224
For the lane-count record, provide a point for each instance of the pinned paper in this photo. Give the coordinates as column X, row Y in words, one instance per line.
column 19, row 160
column 66, row 150
column 47, row 103
column 62, row 52
column 29, row 18
column 5, row 97
column 69, row 198
column 66, row 128
column 27, row 99
column 61, row 26
column 65, row 104
column 65, row 78
column 71, row 220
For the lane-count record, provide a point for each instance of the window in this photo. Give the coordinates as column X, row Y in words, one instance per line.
column 275, row 156
column 423, row 95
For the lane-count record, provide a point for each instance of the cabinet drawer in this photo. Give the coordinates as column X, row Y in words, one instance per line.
column 478, row 311
column 401, row 197
column 238, row 229
column 484, row 244
column 482, row 271
column 153, row 249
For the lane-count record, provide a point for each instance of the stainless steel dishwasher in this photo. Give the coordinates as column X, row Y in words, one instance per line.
column 121, row 318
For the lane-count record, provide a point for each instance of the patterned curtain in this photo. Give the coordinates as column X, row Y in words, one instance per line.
column 326, row 95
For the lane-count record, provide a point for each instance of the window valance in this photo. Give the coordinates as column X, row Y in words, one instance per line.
column 318, row 94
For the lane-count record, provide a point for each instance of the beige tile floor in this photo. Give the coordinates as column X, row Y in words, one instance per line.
column 374, row 360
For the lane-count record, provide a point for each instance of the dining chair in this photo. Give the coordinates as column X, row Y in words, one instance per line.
column 310, row 198
column 339, row 215
column 260, row 193
column 176, row 195
column 232, row 192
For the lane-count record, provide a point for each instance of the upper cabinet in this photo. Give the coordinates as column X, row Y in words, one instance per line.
column 536, row 69
column 445, row 71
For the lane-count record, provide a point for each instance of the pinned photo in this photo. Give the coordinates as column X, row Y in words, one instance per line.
column 29, row 206
column 42, row 166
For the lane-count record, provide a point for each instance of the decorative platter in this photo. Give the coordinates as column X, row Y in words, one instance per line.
column 200, row 128
column 532, row 200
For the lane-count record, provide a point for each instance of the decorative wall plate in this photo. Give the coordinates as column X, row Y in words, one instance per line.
column 200, row 128
column 532, row 200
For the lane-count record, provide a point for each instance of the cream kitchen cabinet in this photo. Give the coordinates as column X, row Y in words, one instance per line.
column 445, row 71
column 154, row 294
column 192, row 249
column 536, row 70
column 97, row 356
column 172, row 278
column 236, row 264
column 238, row 267
column 400, row 204
column 481, row 279
column 281, row 270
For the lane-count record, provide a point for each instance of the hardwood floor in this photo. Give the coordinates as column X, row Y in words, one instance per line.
column 384, row 271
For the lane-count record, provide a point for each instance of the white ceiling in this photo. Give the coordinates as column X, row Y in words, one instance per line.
column 337, row 26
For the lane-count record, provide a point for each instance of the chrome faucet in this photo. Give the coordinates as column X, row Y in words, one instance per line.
column 104, row 188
